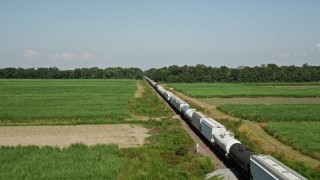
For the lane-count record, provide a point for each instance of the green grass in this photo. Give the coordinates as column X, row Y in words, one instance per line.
column 262, row 113
column 169, row 154
column 303, row 136
column 149, row 104
column 75, row 162
column 204, row 90
column 31, row 100
column 263, row 100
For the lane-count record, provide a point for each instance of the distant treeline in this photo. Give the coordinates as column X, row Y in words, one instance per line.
column 263, row 73
column 83, row 73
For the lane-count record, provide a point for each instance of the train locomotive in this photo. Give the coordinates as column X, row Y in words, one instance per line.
column 252, row 166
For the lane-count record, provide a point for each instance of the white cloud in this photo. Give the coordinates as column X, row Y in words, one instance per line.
column 87, row 56
column 318, row 45
column 65, row 56
column 31, row 54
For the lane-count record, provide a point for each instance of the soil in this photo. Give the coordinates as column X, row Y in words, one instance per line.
column 124, row 135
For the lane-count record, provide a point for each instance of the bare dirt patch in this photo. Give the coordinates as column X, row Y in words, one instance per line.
column 124, row 135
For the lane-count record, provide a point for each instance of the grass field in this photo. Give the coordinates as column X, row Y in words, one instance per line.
column 76, row 162
column 30, row 100
column 303, row 136
column 263, row 113
column 216, row 101
column 147, row 104
column 167, row 154
column 205, row 90
column 286, row 104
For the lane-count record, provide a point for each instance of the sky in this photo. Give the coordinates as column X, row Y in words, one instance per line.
column 157, row 33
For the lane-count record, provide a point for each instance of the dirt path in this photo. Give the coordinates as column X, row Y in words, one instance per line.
column 256, row 134
column 140, row 90
column 62, row 136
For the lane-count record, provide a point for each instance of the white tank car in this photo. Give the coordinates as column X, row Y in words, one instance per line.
column 178, row 103
column 225, row 139
column 196, row 119
column 168, row 95
column 210, row 127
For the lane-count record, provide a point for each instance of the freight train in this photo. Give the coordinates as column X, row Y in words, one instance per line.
column 252, row 166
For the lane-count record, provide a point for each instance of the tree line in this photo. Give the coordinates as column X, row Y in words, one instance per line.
column 80, row 73
column 198, row 73
column 263, row 73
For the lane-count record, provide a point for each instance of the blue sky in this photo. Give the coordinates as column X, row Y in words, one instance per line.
column 149, row 33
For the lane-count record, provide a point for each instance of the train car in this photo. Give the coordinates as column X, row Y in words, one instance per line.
column 168, row 95
column 241, row 155
column 268, row 168
column 178, row 103
column 196, row 120
column 209, row 128
column 224, row 140
column 187, row 112
column 160, row 89
column 152, row 83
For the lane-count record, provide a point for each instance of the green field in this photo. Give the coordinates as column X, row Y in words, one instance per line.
column 286, row 104
column 216, row 101
column 263, row 113
column 30, row 100
column 303, row 136
column 76, row 162
column 167, row 154
column 204, row 90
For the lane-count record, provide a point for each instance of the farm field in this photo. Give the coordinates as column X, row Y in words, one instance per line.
column 283, row 104
column 124, row 135
column 205, row 90
column 216, row 101
column 168, row 151
column 303, row 136
column 264, row 113
column 64, row 100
